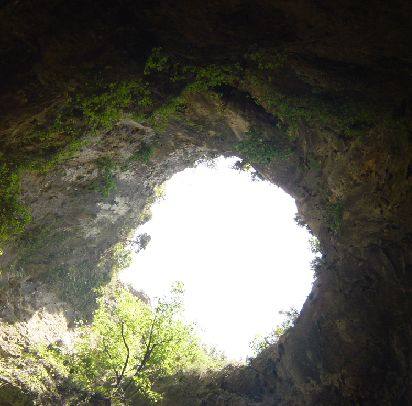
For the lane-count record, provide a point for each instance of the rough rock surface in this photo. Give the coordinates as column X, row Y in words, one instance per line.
column 328, row 84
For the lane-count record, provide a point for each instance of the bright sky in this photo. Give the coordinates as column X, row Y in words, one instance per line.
column 235, row 246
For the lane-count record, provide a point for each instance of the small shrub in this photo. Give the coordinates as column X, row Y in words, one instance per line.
column 213, row 76
column 314, row 245
column 107, row 182
column 143, row 153
column 334, row 215
column 261, row 150
column 157, row 61
column 301, row 222
column 317, row 265
column 267, row 60
column 121, row 257
column 260, row 343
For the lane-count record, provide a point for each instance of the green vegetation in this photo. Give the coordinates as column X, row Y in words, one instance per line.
column 318, row 109
column 107, row 182
column 314, row 164
column 56, row 137
column 157, row 61
column 171, row 110
column 106, row 106
column 301, row 222
column 74, row 282
column 315, row 110
column 67, row 152
column 67, row 126
column 11, row 395
column 60, row 136
column 334, row 215
column 77, row 284
column 266, row 60
column 120, row 257
column 260, row 343
column 143, row 153
column 34, row 242
column 96, row 107
column 197, row 79
column 24, row 380
column 292, row 111
column 129, row 347
column 13, row 214
column 314, row 244
column 200, row 78
column 317, row 265
column 213, row 76
column 261, row 150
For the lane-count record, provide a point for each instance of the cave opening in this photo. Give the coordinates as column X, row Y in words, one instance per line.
column 231, row 238
column 104, row 101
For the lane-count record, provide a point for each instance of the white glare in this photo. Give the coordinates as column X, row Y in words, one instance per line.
column 235, row 246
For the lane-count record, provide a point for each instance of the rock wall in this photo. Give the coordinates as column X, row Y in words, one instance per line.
column 316, row 96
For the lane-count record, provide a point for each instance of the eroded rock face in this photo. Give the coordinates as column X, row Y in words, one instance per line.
column 326, row 88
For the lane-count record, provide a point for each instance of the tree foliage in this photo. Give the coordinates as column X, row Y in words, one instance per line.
column 130, row 346
column 260, row 343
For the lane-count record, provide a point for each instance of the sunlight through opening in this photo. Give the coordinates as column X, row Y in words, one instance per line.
column 233, row 242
